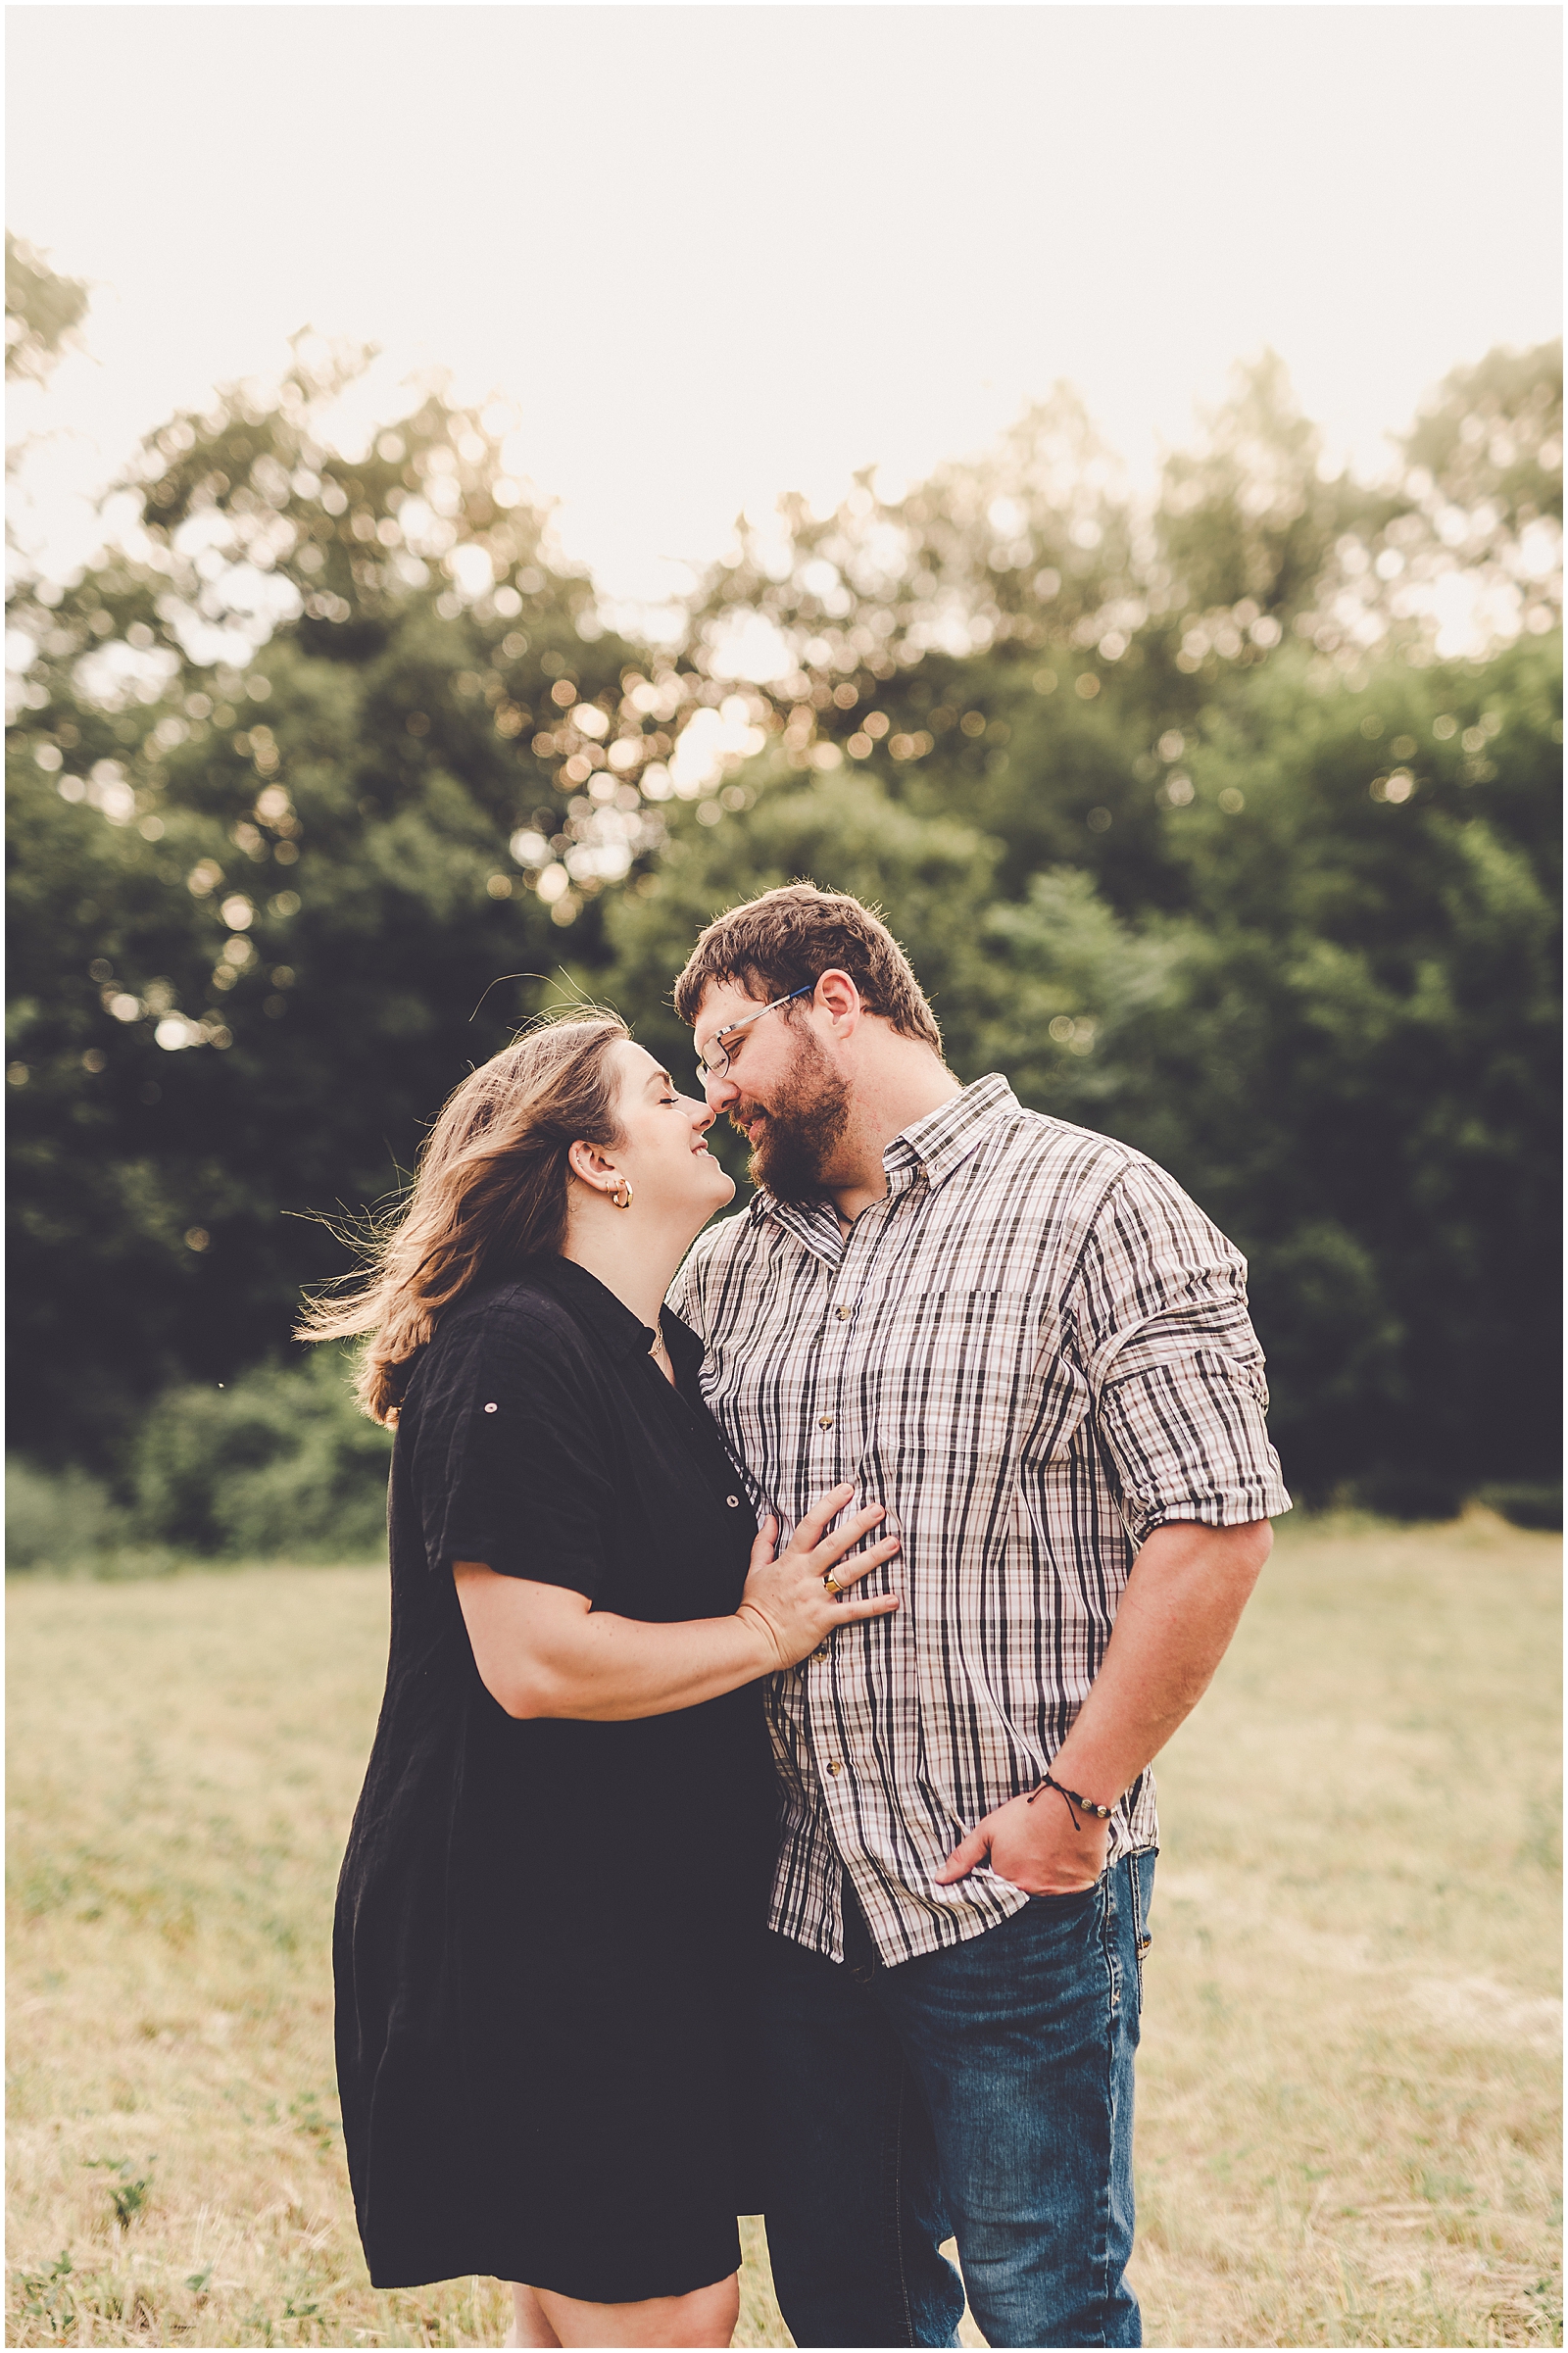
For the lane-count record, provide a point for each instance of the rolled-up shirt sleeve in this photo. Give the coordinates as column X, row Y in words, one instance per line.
column 1173, row 1367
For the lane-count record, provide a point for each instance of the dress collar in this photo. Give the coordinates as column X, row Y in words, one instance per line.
column 609, row 1318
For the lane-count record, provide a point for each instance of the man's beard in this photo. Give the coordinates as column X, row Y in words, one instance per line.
column 801, row 1128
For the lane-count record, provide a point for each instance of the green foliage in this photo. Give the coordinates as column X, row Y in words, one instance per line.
column 1526, row 1504
column 1409, row 1490
column 280, row 1462
column 1492, row 435
column 1179, row 819
column 128, row 2194
column 933, row 875
column 57, row 1520
column 255, row 902
column 1332, row 1011
column 1344, row 1044
column 1250, row 515
column 47, row 2298
column 42, row 311
column 66, row 1522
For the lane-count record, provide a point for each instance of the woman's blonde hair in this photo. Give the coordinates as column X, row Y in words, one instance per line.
column 490, row 1192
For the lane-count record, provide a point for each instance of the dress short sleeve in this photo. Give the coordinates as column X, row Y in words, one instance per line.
column 508, row 1457
column 1173, row 1366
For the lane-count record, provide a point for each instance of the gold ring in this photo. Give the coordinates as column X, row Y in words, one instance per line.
column 831, row 1582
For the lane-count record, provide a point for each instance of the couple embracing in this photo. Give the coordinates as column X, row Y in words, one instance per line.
column 759, row 1816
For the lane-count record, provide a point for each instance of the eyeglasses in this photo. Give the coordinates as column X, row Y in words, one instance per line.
column 713, row 1059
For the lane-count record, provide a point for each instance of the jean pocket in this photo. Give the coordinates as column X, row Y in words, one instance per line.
column 1075, row 1899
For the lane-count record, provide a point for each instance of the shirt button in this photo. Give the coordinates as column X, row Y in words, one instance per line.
column 844, row 1315
column 825, row 1421
column 835, row 1766
column 823, row 1651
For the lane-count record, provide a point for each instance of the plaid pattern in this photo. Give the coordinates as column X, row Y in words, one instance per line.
column 1034, row 1351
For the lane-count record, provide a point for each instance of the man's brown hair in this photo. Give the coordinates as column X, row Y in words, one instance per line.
column 789, row 938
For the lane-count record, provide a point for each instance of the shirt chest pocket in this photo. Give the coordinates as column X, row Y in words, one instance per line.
column 957, row 1379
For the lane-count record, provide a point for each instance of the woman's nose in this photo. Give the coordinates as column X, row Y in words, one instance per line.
column 703, row 1116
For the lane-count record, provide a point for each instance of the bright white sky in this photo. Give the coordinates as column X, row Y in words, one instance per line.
column 717, row 252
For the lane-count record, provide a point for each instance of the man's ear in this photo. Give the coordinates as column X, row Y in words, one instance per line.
column 837, row 995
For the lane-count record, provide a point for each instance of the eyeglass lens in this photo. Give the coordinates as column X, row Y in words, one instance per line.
column 716, row 1061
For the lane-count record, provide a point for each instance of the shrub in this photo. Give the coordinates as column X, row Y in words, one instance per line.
column 57, row 1518
column 68, row 1523
column 1526, row 1503
column 1409, row 1492
column 280, row 1462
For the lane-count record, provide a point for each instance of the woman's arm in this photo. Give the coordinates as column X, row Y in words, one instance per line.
column 543, row 1650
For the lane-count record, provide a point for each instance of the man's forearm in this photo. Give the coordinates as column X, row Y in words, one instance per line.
column 1180, row 1607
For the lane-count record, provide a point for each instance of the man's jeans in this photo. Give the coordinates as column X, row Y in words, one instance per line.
column 982, row 2093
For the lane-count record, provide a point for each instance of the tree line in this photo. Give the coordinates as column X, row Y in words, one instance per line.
column 1189, row 819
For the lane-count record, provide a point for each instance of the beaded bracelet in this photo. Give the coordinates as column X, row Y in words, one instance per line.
column 1100, row 1813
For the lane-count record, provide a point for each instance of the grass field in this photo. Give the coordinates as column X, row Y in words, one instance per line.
column 1348, row 2093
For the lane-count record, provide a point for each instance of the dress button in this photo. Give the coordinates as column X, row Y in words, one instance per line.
column 489, row 1409
column 825, row 1421
column 733, row 1501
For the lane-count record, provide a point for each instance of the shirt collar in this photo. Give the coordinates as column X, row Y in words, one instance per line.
column 945, row 1138
column 933, row 1147
column 594, row 1304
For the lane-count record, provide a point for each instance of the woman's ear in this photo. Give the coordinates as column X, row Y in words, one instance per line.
column 587, row 1161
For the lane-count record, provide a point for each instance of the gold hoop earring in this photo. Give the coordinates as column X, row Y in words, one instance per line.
column 620, row 1193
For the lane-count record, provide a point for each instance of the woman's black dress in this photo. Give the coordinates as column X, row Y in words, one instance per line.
column 547, row 1930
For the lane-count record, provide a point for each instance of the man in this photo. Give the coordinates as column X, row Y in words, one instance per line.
column 1026, row 1342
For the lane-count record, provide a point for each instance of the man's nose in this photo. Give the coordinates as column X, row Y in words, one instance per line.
column 719, row 1093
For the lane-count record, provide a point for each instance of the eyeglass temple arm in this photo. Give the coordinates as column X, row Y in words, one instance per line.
column 708, row 1069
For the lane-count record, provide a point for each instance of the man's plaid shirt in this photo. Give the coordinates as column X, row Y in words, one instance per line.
column 1034, row 1351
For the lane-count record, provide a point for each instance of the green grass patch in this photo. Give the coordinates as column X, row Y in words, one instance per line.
column 1347, row 2124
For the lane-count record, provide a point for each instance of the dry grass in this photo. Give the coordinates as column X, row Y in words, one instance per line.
column 1349, row 2116
column 1347, row 2133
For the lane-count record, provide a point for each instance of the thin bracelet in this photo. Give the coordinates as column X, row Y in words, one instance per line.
column 1100, row 1813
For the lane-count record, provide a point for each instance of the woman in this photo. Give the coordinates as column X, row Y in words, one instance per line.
column 555, row 1880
